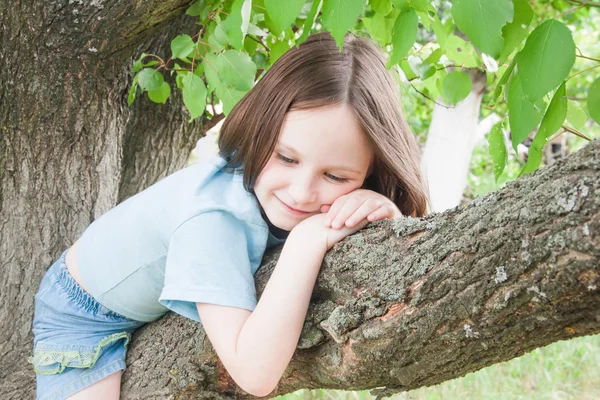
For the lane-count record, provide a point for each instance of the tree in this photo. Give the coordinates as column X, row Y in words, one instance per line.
column 71, row 149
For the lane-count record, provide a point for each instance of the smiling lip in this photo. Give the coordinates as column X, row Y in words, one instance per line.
column 293, row 210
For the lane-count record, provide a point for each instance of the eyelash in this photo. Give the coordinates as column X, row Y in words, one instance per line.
column 332, row 177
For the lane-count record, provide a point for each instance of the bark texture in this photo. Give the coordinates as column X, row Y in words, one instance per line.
column 416, row 302
column 70, row 148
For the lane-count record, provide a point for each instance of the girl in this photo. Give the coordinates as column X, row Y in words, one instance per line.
column 316, row 150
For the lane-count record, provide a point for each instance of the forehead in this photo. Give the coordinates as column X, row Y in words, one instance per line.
column 330, row 135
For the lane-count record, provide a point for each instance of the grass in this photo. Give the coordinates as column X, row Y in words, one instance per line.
column 563, row 370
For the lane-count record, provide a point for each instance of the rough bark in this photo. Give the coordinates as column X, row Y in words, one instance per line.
column 417, row 302
column 70, row 148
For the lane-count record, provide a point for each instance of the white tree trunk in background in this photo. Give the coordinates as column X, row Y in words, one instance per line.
column 452, row 136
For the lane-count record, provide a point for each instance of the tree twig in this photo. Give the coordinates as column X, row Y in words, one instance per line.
column 576, row 133
column 587, row 3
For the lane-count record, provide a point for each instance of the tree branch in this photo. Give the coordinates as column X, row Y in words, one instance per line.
column 416, row 302
column 588, row 3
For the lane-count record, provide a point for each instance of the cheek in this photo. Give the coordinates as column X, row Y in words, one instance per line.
column 332, row 192
column 269, row 176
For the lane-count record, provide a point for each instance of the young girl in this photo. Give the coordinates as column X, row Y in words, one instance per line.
column 316, row 150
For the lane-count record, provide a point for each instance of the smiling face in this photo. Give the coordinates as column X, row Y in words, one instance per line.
column 321, row 154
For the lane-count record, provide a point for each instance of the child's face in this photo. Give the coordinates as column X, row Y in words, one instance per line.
column 321, row 154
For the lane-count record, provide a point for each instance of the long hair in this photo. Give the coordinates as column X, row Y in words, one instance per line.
column 316, row 74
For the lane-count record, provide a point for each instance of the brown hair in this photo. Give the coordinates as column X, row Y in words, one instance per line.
column 317, row 74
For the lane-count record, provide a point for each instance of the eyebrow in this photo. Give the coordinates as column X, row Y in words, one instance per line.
column 341, row 167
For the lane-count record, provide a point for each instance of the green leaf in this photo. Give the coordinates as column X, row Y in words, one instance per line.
column 418, row 5
column 236, row 24
column 182, row 46
column 283, row 13
column 575, row 115
column 219, row 38
column 553, row 119
column 194, row 95
column 260, row 59
column 497, row 149
column 229, row 96
column 150, row 79
column 237, row 70
column 196, row 8
column 440, row 32
column 434, row 57
column 277, row 50
column 404, row 35
column 523, row 115
column 382, row 7
column 546, row 59
column 516, row 31
column 462, row 53
column 341, row 15
column 423, row 69
column 594, row 100
column 456, row 86
column 137, row 66
column 310, row 19
column 555, row 115
column 256, row 31
column 425, row 20
column 534, row 159
column 482, row 22
column 212, row 65
column 161, row 94
column 502, row 81
column 132, row 90
column 380, row 26
column 179, row 80
column 406, row 68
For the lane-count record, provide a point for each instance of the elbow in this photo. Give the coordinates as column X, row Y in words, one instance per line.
column 257, row 385
column 257, row 389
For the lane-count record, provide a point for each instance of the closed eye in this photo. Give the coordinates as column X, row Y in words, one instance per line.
column 335, row 178
column 285, row 159
column 292, row 161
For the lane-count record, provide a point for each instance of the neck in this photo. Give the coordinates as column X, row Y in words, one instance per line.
column 275, row 231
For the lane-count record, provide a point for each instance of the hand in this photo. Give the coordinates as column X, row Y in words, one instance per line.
column 351, row 208
column 314, row 231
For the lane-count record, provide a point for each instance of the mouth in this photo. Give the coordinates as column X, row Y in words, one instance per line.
column 292, row 210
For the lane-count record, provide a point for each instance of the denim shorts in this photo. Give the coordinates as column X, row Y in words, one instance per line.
column 77, row 341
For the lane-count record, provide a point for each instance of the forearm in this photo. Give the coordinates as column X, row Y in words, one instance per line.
column 270, row 335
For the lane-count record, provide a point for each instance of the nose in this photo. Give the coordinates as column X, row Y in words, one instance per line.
column 302, row 188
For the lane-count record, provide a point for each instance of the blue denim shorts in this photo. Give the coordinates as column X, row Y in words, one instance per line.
column 77, row 341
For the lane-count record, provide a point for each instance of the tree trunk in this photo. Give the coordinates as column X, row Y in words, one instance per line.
column 70, row 148
column 450, row 141
column 402, row 312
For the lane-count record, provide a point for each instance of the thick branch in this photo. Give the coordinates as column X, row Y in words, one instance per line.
column 453, row 293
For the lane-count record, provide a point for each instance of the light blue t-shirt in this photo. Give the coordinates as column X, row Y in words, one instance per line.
column 195, row 236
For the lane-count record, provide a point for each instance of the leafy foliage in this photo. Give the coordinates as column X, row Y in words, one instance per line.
column 526, row 49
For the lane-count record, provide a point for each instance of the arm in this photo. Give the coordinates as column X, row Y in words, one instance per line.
column 256, row 347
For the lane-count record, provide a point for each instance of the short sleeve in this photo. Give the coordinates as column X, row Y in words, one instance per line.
column 208, row 261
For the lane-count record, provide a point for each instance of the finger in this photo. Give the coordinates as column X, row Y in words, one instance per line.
column 383, row 212
column 349, row 207
column 368, row 207
column 325, row 208
column 334, row 209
